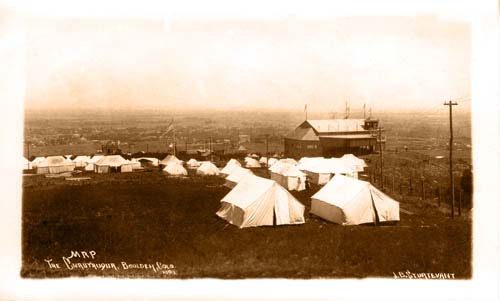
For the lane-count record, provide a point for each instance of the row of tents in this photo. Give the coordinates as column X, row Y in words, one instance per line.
column 256, row 201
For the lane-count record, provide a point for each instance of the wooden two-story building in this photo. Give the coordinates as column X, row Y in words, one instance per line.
column 334, row 137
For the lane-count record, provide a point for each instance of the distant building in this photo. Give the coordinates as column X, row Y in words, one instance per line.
column 111, row 148
column 244, row 138
column 333, row 138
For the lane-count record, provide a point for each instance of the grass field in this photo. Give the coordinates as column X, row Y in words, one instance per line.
column 148, row 218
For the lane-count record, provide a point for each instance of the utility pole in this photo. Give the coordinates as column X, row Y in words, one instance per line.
column 305, row 109
column 210, row 147
column 267, row 149
column 381, row 156
column 450, row 104
column 364, row 111
column 174, row 142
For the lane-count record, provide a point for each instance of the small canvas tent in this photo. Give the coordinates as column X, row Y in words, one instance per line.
column 288, row 176
column 170, row 159
column 348, row 201
column 356, row 163
column 113, row 163
column 236, row 176
column 147, row 161
column 251, row 163
column 36, row 161
column 81, row 161
column 193, row 163
column 263, row 160
column 207, row 169
column 231, row 165
column 319, row 170
column 175, row 169
column 288, row 160
column 25, row 163
column 256, row 201
column 91, row 162
column 271, row 162
column 54, row 164
column 136, row 164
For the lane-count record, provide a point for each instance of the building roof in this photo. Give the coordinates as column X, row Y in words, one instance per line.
column 337, row 125
column 355, row 136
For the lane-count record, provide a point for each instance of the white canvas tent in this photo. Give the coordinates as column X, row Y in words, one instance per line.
column 54, row 164
column 256, row 201
column 271, row 162
column 145, row 161
column 81, row 161
column 25, row 163
column 231, row 165
column 170, row 159
column 91, row 162
column 348, row 201
column 175, row 169
column 236, row 176
column 288, row 160
column 193, row 163
column 112, row 163
column 263, row 160
column 136, row 164
column 319, row 170
column 251, row 163
column 356, row 163
column 288, row 176
column 36, row 161
column 207, row 169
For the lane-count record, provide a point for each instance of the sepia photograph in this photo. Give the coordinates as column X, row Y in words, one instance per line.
column 247, row 142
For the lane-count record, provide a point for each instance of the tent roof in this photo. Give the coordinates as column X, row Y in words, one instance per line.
column 170, row 158
column 247, row 191
column 238, row 174
column 208, row 167
column 54, row 161
column 340, row 190
column 38, row 160
column 174, row 168
column 112, row 160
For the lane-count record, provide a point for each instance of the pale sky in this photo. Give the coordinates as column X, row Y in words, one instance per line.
column 246, row 61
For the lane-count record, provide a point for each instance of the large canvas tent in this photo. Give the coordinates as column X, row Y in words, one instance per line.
column 236, row 176
column 256, row 201
column 113, row 163
column 348, row 201
column 175, row 169
column 288, row 176
column 207, row 169
column 54, row 164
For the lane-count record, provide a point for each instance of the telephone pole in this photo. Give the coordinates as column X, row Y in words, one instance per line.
column 381, row 157
column 450, row 104
column 267, row 149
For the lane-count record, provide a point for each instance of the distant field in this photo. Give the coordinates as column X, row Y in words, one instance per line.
column 148, row 218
